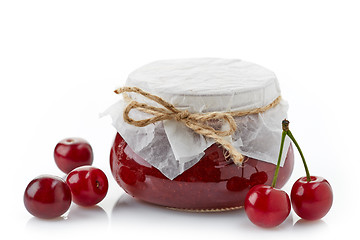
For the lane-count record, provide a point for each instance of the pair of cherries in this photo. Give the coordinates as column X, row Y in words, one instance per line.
column 311, row 196
column 50, row 196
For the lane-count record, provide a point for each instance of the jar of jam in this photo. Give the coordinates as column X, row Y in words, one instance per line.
column 168, row 164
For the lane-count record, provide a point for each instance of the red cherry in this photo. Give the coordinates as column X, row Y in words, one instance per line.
column 267, row 206
column 237, row 184
column 127, row 175
column 88, row 185
column 47, row 197
column 311, row 200
column 258, row 178
column 71, row 153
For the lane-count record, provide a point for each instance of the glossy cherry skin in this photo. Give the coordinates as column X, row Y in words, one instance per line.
column 71, row 153
column 311, row 200
column 267, row 206
column 47, row 197
column 88, row 185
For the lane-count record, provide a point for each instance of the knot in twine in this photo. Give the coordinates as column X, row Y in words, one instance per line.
column 182, row 115
column 198, row 122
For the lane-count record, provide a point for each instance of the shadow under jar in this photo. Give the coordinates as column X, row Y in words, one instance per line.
column 168, row 164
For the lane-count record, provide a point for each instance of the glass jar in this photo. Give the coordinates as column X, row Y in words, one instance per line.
column 214, row 183
column 168, row 164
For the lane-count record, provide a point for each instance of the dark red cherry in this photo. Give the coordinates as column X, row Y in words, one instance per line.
column 267, row 206
column 258, row 178
column 127, row 175
column 236, row 184
column 47, row 197
column 71, row 153
column 88, row 185
column 311, row 200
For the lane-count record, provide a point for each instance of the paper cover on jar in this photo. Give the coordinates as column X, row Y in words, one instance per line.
column 199, row 86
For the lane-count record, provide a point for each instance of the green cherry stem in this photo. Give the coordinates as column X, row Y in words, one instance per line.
column 286, row 131
column 279, row 159
column 301, row 154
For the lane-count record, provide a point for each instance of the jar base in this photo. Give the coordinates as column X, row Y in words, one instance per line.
column 212, row 210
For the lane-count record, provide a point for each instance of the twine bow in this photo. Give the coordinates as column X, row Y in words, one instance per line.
column 198, row 122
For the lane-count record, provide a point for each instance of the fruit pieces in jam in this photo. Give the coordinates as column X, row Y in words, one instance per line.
column 213, row 183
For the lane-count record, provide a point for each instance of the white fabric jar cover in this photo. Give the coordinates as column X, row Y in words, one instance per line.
column 203, row 85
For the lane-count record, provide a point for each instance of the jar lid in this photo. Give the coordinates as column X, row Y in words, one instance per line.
column 202, row 85
column 208, row 84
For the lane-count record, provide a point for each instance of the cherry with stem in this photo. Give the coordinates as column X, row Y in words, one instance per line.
column 311, row 196
column 267, row 206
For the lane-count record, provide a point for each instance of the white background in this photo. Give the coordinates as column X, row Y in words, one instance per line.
column 61, row 60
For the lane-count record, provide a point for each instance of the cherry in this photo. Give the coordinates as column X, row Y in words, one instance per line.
column 311, row 196
column 267, row 206
column 71, row 153
column 311, row 200
column 127, row 175
column 88, row 185
column 47, row 197
column 237, row 184
column 258, row 178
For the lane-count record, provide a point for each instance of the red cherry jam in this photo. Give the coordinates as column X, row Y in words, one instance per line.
column 212, row 183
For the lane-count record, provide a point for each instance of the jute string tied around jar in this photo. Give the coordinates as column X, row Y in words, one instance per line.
column 198, row 122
